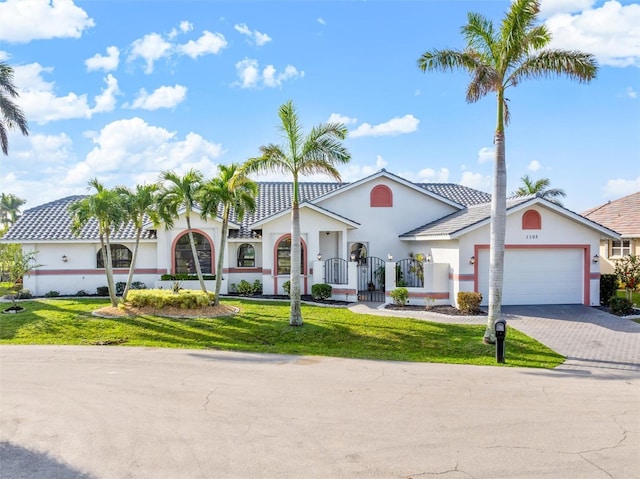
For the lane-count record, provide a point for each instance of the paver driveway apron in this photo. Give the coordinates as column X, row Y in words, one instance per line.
column 587, row 336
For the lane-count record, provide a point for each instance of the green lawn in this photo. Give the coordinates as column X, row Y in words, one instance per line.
column 635, row 296
column 262, row 326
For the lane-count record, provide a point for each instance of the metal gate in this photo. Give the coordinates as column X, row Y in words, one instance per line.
column 371, row 279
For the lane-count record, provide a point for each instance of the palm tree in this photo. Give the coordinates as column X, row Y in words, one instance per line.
column 10, row 208
column 318, row 152
column 179, row 192
column 140, row 205
column 497, row 60
column 540, row 187
column 233, row 190
column 12, row 115
column 105, row 206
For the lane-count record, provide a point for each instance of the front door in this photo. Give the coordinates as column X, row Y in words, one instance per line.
column 371, row 279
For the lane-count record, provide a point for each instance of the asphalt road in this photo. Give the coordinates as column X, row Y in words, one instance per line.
column 118, row 412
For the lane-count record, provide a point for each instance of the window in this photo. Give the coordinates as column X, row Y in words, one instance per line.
column 381, row 196
column 531, row 220
column 283, row 256
column 620, row 248
column 120, row 257
column 358, row 253
column 184, row 258
column 246, row 256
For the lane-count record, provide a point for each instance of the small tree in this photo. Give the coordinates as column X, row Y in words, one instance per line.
column 628, row 272
column 20, row 264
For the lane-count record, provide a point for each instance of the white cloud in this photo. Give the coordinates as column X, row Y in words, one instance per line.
column 618, row 188
column 428, row 175
column 106, row 101
column 254, row 36
column 51, row 149
column 486, row 155
column 163, row 97
column 551, row 7
column 610, row 32
column 150, row 48
column 24, row 20
column 395, row 126
column 338, row 118
column 631, row 93
column 208, row 43
column 248, row 70
column 131, row 151
column 4, row 56
column 321, row 21
column 476, row 180
column 535, row 165
column 41, row 105
column 107, row 63
column 184, row 27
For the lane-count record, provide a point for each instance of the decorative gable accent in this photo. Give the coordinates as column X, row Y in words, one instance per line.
column 531, row 220
column 381, row 196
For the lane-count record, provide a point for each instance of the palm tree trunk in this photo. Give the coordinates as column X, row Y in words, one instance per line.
column 223, row 240
column 295, row 318
column 132, row 266
column 108, row 267
column 196, row 260
column 498, row 227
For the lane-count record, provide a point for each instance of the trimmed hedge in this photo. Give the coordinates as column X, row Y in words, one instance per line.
column 608, row 287
column 469, row 302
column 321, row 291
column 159, row 298
column 400, row 296
column 186, row 277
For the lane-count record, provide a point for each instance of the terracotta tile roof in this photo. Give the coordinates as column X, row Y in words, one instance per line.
column 621, row 215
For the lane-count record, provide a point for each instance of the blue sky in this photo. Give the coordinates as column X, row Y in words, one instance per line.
column 122, row 90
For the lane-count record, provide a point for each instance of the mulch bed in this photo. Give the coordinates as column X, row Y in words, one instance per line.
column 440, row 309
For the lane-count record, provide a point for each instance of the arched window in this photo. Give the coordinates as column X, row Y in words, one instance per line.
column 283, row 256
column 381, row 196
column 358, row 253
column 120, row 257
column 246, row 256
column 531, row 220
column 184, row 258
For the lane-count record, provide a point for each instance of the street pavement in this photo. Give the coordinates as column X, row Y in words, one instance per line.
column 120, row 412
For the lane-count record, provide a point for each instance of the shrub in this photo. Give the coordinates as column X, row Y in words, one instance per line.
column 321, row 291
column 24, row 294
column 287, row 287
column 82, row 292
column 245, row 288
column 138, row 285
column 257, row 286
column 400, row 296
column 608, row 287
column 469, row 302
column 52, row 294
column 120, row 287
column 160, row 298
column 102, row 291
column 621, row 306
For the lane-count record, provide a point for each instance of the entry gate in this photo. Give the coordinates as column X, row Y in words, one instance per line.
column 371, row 279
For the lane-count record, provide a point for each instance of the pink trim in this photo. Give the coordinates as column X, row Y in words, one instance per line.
column 266, row 271
column 462, row 277
column 344, row 291
column 75, row 272
column 586, row 297
column 244, row 270
column 381, row 196
column 594, row 276
column 429, row 295
column 531, row 220
column 186, row 232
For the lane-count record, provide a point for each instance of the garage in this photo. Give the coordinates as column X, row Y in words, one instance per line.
column 537, row 276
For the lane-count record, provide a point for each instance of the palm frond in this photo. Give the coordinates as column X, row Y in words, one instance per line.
column 480, row 35
column 575, row 65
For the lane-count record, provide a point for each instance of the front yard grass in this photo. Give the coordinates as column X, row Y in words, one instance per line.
column 262, row 326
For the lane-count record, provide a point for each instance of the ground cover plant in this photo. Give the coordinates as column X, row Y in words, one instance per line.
column 262, row 326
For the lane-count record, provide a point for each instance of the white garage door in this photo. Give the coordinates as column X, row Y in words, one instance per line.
column 537, row 276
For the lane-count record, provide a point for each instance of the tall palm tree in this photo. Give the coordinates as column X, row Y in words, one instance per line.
column 12, row 115
column 179, row 192
column 540, row 187
column 320, row 151
column 139, row 205
column 10, row 208
column 105, row 206
column 233, row 190
column 498, row 59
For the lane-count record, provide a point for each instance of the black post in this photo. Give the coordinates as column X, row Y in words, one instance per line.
column 501, row 333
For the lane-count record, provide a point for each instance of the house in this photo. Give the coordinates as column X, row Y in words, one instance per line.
column 623, row 216
column 364, row 238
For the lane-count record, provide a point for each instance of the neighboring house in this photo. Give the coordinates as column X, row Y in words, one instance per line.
column 623, row 216
column 361, row 237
